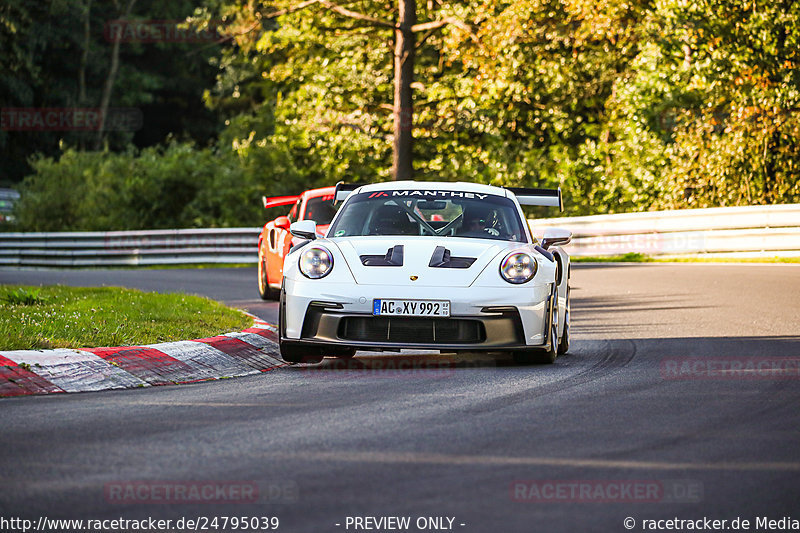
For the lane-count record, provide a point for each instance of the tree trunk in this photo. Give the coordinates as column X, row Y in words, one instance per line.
column 402, row 163
column 87, row 17
column 109, row 86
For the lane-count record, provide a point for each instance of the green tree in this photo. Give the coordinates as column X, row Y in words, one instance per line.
column 174, row 186
column 58, row 54
column 366, row 27
column 711, row 108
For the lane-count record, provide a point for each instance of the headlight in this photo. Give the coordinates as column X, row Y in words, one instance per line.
column 316, row 262
column 518, row 267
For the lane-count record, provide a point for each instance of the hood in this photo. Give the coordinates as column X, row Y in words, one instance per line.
column 437, row 262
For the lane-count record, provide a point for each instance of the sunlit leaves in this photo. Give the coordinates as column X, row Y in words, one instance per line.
column 715, row 93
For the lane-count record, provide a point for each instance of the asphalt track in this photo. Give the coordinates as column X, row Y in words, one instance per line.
column 431, row 435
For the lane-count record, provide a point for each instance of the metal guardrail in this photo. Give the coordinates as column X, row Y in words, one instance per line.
column 754, row 231
column 130, row 248
column 751, row 231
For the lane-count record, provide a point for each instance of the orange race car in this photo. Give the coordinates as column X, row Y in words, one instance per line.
column 275, row 240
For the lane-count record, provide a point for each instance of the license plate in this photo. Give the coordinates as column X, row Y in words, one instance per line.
column 438, row 308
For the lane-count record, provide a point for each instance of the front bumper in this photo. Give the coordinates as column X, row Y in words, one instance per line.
column 481, row 319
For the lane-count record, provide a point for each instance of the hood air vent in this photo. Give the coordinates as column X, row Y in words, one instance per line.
column 393, row 258
column 441, row 258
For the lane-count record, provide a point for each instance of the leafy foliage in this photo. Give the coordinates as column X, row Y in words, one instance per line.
column 21, row 296
column 177, row 186
column 627, row 106
column 47, row 51
column 710, row 109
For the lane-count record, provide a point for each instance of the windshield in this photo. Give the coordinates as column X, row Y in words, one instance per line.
column 320, row 209
column 432, row 213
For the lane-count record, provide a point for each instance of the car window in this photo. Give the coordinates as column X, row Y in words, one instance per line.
column 293, row 213
column 320, row 209
column 432, row 213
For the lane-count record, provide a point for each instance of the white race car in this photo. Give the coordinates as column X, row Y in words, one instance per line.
column 427, row 265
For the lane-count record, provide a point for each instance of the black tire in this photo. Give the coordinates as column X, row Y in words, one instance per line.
column 538, row 355
column 293, row 352
column 341, row 353
column 264, row 290
column 563, row 345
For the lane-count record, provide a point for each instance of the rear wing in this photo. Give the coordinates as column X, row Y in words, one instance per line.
column 343, row 190
column 278, row 200
column 525, row 196
column 541, row 197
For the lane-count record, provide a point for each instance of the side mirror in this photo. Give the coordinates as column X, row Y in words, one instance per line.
column 305, row 229
column 555, row 237
column 282, row 222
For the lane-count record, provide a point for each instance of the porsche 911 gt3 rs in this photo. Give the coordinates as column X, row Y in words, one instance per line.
column 447, row 266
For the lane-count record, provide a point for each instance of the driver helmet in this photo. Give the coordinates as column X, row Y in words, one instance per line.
column 476, row 215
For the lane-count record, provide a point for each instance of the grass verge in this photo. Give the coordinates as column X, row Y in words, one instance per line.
column 73, row 317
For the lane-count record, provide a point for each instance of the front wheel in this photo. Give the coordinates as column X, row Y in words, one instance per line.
column 298, row 354
column 341, row 353
column 563, row 345
column 264, row 290
column 291, row 352
column 538, row 355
